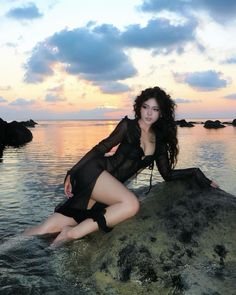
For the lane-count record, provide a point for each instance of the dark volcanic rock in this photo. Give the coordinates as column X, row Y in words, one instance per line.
column 227, row 123
column 29, row 123
column 234, row 122
column 3, row 126
column 181, row 242
column 14, row 134
column 213, row 124
column 184, row 123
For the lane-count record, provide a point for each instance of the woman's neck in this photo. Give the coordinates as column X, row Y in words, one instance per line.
column 144, row 127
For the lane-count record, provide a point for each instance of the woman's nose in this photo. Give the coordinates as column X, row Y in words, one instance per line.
column 149, row 111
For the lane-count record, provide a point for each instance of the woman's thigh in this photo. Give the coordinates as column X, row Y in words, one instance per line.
column 109, row 190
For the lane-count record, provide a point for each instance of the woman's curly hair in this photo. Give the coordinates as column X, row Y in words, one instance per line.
column 166, row 123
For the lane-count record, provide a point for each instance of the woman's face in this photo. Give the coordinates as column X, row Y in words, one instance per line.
column 150, row 111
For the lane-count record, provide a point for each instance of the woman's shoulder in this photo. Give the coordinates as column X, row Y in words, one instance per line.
column 123, row 124
column 128, row 120
column 133, row 126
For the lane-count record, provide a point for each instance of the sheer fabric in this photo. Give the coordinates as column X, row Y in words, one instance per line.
column 128, row 160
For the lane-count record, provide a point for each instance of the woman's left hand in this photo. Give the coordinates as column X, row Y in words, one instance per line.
column 68, row 188
column 214, row 184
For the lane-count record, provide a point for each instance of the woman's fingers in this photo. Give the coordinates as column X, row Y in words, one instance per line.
column 214, row 184
column 68, row 193
column 68, row 188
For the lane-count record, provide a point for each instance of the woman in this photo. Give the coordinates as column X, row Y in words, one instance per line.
column 97, row 197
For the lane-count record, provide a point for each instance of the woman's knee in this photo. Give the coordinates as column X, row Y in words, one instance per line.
column 132, row 205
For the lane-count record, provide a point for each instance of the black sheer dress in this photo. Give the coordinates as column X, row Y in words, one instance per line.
column 128, row 159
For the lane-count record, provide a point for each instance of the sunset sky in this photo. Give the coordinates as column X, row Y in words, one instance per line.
column 74, row 59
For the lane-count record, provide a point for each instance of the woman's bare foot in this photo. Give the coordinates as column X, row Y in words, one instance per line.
column 62, row 237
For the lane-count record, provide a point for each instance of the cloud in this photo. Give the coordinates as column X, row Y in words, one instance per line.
column 202, row 81
column 220, row 10
column 22, row 102
column 183, row 100
column 27, row 12
column 55, row 94
column 53, row 98
column 11, row 45
column 231, row 60
column 97, row 52
column 39, row 65
column 114, row 87
column 157, row 6
column 2, row 99
column 231, row 96
column 9, row 113
column 57, row 89
column 99, row 113
column 5, row 88
column 92, row 53
column 159, row 34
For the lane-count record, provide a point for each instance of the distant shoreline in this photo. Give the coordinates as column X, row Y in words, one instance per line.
column 111, row 119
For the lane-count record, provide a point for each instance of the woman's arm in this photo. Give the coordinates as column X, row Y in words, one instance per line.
column 103, row 146
column 169, row 174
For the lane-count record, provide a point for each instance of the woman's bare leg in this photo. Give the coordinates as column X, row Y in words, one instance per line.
column 53, row 224
column 122, row 204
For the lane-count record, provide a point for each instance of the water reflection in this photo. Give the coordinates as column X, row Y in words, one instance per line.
column 212, row 150
column 31, row 180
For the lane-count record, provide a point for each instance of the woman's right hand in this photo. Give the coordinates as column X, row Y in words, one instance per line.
column 68, row 187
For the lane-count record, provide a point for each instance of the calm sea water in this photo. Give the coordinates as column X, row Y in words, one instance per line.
column 31, row 180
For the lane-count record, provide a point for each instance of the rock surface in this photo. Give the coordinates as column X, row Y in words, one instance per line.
column 213, row 124
column 184, row 123
column 14, row 133
column 183, row 241
column 29, row 123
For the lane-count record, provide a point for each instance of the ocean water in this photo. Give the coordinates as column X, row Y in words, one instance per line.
column 31, row 181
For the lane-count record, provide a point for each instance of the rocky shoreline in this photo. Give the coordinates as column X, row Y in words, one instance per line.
column 209, row 124
column 181, row 242
column 15, row 133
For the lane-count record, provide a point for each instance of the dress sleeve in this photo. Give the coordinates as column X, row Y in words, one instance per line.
column 103, row 146
column 169, row 174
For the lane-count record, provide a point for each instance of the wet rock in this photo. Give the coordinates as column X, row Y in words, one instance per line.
column 221, row 251
column 184, row 123
column 186, row 246
column 234, row 122
column 213, row 124
column 3, row 126
column 14, row 134
column 29, row 123
column 136, row 262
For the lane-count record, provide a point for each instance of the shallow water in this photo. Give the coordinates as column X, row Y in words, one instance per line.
column 31, row 180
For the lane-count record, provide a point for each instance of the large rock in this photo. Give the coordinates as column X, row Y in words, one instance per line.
column 29, row 123
column 234, row 122
column 14, row 134
column 183, row 241
column 213, row 124
column 184, row 123
column 3, row 126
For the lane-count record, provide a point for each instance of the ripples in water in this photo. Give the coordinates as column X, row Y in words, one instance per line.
column 31, row 181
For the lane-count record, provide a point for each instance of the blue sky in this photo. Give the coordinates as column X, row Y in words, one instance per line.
column 76, row 60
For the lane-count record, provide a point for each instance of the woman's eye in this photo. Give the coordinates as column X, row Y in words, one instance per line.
column 144, row 107
column 156, row 110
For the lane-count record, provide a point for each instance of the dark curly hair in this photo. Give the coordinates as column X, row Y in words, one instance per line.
column 166, row 123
